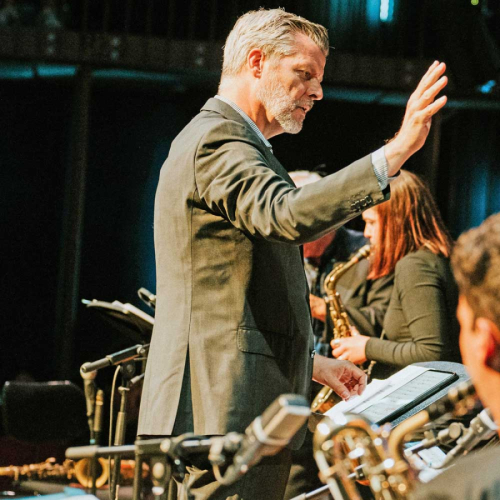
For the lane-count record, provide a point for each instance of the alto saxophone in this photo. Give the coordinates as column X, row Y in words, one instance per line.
column 326, row 398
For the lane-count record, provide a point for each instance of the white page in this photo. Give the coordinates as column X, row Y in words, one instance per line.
column 376, row 391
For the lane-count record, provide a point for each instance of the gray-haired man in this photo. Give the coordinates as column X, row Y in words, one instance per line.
column 233, row 327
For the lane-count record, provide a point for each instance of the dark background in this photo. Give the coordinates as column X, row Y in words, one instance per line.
column 133, row 117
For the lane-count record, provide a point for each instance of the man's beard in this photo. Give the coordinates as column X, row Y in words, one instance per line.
column 276, row 100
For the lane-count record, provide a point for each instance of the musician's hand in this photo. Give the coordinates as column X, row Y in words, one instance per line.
column 351, row 348
column 343, row 377
column 420, row 109
column 318, row 307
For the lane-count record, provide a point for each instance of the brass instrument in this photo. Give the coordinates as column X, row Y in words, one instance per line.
column 326, row 397
column 68, row 469
column 350, row 448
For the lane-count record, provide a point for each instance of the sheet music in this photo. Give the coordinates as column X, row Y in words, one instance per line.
column 134, row 310
column 404, row 395
column 376, row 391
column 384, row 399
column 139, row 312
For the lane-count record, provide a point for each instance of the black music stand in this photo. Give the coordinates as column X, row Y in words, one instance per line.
column 457, row 368
column 126, row 318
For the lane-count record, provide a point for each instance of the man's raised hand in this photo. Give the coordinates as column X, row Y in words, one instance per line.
column 420, row 109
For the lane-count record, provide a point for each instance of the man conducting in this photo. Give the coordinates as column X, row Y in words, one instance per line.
column 233, row 327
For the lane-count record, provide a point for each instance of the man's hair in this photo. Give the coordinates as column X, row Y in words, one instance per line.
column 273, row 31
column 408, row 222
column 476, row 265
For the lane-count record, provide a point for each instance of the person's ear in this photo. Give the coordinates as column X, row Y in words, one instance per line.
column 490, row 343
column 255, row 60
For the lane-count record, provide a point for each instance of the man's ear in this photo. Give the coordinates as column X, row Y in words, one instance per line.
column 255, row 60
column 490, row 342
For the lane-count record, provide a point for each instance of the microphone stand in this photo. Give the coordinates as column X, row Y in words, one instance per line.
column 116, row 358
column 168, row 457
column 127, row 370
column 125, row 358
column 96, row 438
column 91, row 401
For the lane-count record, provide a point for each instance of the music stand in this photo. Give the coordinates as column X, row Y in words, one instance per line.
column 126, row 318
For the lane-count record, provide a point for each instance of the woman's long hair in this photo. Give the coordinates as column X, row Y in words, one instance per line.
column 408, row 222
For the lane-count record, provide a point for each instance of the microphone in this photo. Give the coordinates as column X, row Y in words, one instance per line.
column 481, row 427
column 89, row 388
column 267, row 435
column 147, row 297
column 99, row 403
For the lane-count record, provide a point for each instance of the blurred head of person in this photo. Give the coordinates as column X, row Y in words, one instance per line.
column 476, row 267
column 314, row 249
column 410, row 220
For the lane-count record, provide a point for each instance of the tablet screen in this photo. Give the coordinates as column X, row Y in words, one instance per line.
column 408, row 395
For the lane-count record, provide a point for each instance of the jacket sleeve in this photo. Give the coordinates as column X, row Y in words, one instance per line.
column 422, row 295
column 235, row 180
column 368, row 317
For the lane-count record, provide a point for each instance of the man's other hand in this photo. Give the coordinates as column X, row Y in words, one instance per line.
column 345, row 378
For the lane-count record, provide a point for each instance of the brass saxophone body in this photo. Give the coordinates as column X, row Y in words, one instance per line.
column 349, row 449
column 326, row 398
column 336, row 309
column 68, row 469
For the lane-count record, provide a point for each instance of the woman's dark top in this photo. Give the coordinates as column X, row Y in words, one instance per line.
column 420, row 323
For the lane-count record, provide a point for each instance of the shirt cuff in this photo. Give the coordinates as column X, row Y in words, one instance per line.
column 380, row 168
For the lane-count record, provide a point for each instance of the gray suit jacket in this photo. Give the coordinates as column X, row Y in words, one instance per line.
column 232, row 298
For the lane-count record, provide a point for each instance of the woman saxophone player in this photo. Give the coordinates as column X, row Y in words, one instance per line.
column 408, row 238
column 365, row 300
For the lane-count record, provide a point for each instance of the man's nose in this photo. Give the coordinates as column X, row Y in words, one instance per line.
column 315, row 90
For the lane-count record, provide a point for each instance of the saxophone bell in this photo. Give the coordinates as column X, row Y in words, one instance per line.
column 82, row 472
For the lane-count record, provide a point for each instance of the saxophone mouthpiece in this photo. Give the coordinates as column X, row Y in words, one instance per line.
column 363, row 252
